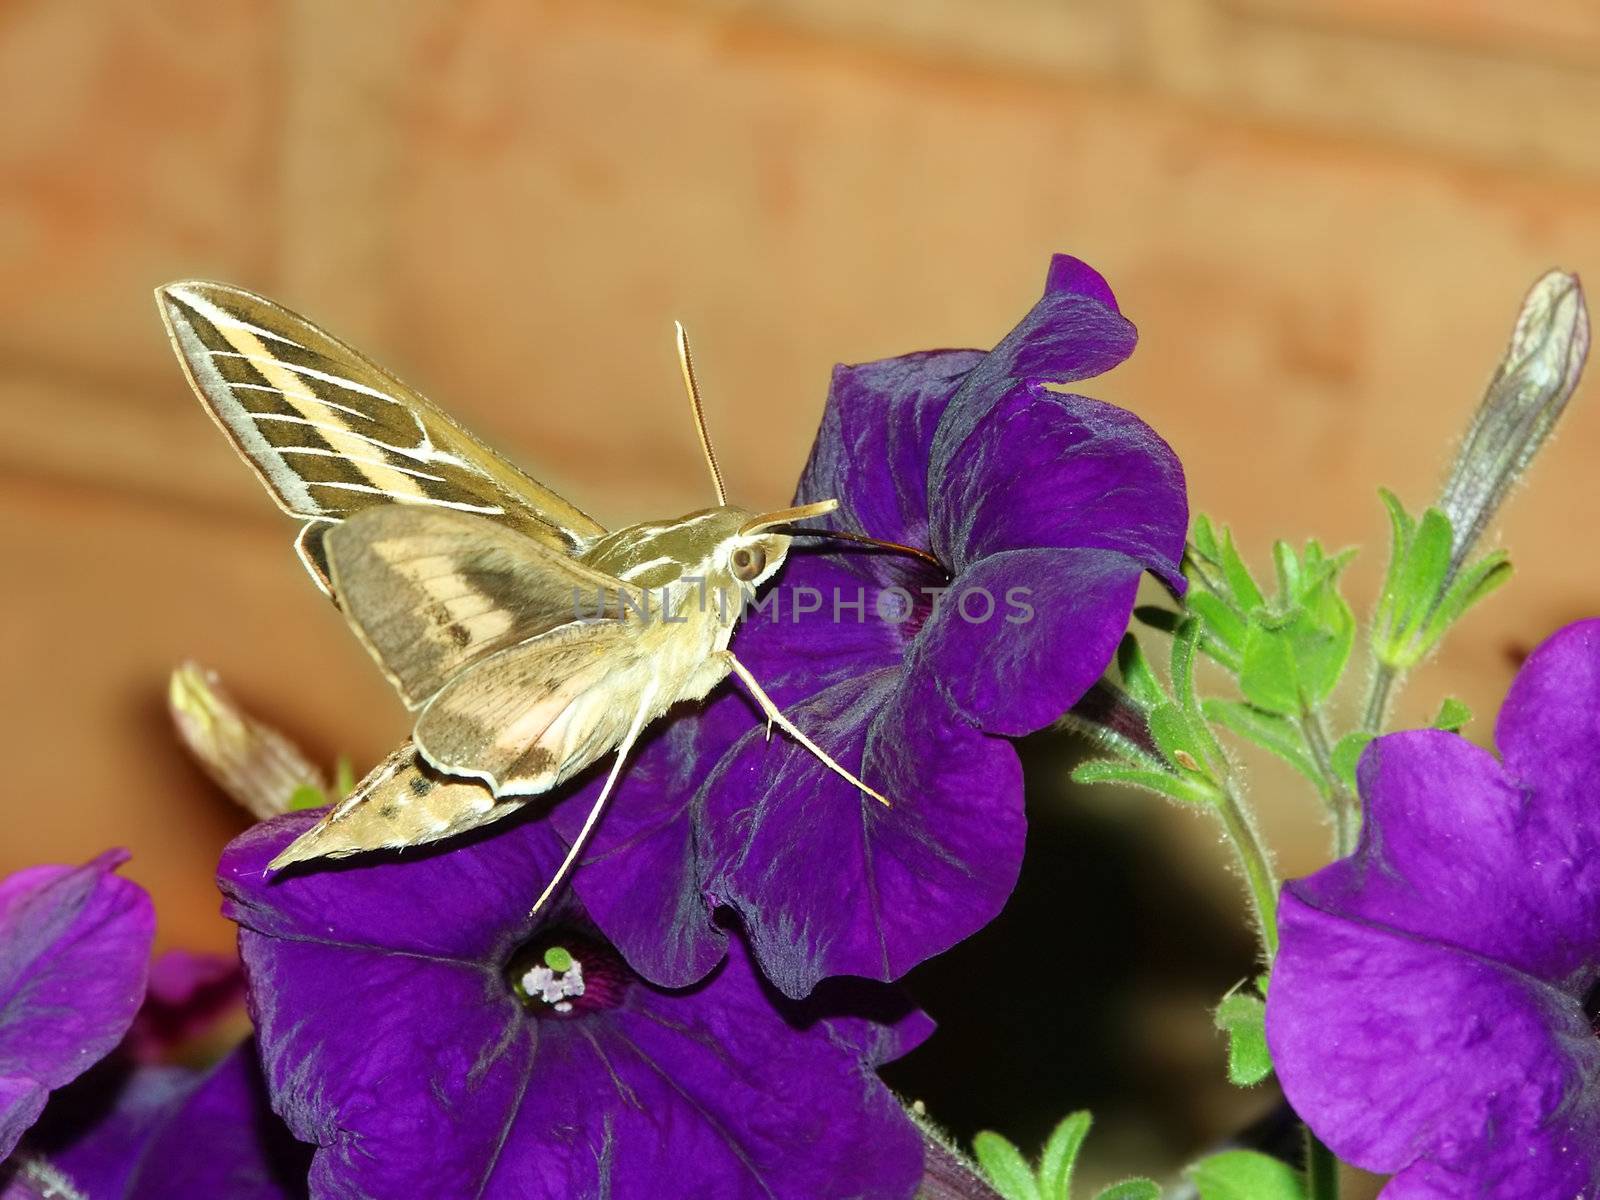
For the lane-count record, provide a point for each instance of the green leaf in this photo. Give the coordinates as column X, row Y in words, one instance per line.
column 1246, row 595
column 1184, row 645
column 1426, row 563
column 1222, row 622
column 1007, row 1170
column 1420, row 600
column 1295, row 653
column 1242, row 1017
column 1470, row 586
column 1346, row 754
column 1137, row 674
column 1267, row 675
column 1246, row 1175
column 1204, row 538
column 1061, row 1156
column 1163, row 783
column 1132, row 1189
column 1270, row 731
column 307, row 795
column 1452, row 715
column 1174, row 737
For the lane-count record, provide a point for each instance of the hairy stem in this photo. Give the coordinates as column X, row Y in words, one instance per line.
column 1344, row 806
column 1378, row 692
column 1254, row 861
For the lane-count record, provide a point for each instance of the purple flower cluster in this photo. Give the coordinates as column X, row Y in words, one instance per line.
column 1432, row 1012
column 703, row 1012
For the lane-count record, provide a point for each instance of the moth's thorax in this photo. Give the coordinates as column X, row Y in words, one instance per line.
column 698, row 566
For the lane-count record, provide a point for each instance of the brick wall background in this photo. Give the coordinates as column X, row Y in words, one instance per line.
column 1321, row 214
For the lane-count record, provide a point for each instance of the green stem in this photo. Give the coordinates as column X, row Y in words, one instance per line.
column 1377, row 708
column 1255, row 862
column 1343, row 805
column 1322, row 1169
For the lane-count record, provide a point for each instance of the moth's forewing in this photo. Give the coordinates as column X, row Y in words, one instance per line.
column 402, row 802
column 331, row 433
column 432, row 592
column 529, row 717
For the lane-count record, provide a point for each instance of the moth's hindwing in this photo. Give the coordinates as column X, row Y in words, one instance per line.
column 402, row 802
column 527, row 718
column 431, row 592
column 331, row 433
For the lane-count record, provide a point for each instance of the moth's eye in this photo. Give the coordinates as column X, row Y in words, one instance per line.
column 749, row 562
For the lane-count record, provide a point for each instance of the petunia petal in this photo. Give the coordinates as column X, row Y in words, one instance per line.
column 1400, row 1050
column 74, row 951
column 1023, row 635
column 170, row 1133
column 1052, row 470
column 637, row 879
column 750, row 1107
column 1548, row 730
column 1074, row 332
column 248, row 1154
column 872, row 449
column 829, row 882
column 434, row 902
column 1456, row 850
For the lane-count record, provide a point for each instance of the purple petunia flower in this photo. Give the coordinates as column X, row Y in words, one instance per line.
column 1432, row 1012
column 140, row 1132
column 1042, row 511
column 433, row 1039
column 74, row 952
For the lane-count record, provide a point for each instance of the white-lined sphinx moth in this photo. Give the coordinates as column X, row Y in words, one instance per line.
column 463, row 577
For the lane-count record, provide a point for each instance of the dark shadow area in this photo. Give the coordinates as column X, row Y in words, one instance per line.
column 1056, row 1005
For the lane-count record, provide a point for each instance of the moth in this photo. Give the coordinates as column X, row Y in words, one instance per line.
column 529, row 640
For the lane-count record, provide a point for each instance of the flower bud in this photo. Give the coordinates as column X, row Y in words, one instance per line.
column 260, row 769
column 1523, row 401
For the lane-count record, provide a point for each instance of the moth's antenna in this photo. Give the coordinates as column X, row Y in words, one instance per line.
column 686, row 364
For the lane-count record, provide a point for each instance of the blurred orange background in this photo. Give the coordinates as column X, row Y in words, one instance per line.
column 1321, row 214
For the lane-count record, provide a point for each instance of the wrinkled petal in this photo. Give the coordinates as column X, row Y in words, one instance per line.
column 829, row 882
column 637, row 878
column 873, row 446
column 1400, row 1050
column 433, row 902
column 1051, row 470
column 383, row 1056
column 1074, row 332
column 1457, row 851
column 74, row 950
column 1023, row 635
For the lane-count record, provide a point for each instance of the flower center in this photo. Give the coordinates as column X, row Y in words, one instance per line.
column 566, row 973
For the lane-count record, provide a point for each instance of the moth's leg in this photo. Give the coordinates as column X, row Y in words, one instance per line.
column 775, row 717
column 599, row 805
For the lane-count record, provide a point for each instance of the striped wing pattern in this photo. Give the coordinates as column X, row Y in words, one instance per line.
column 331, row 433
